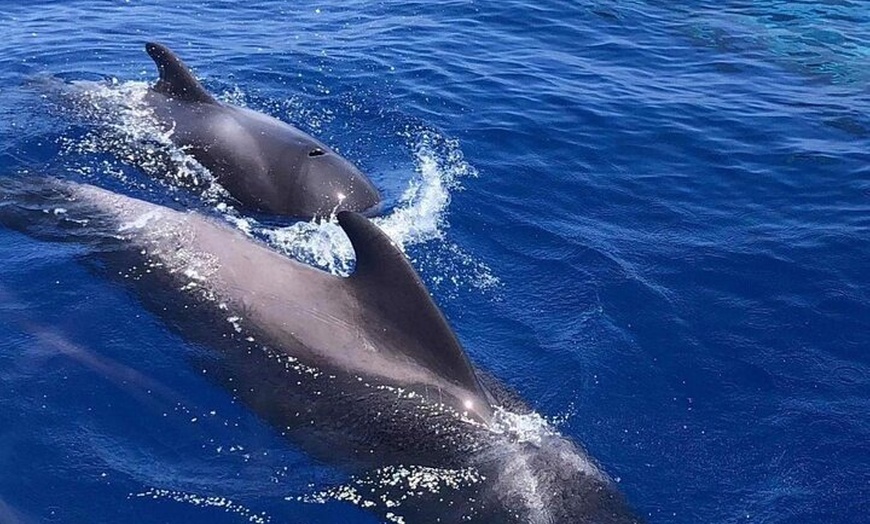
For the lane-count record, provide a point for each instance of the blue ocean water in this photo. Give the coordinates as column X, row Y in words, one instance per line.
column 648, row 219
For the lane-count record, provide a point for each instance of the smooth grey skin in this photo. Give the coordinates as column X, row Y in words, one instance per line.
column 264, row 163
column 363, row 372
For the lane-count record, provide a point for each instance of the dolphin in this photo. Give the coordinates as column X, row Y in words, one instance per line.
column 264, row 163
column 362, row 370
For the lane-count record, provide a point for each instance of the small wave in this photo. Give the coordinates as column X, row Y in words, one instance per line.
column 126, row 128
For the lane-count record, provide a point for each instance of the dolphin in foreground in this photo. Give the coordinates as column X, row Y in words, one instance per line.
column 264, row 163
column 363, row 371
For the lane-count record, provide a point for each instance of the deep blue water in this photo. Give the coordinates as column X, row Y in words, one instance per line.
column 650, row 220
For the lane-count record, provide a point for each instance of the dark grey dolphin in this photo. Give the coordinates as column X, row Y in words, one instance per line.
column 263, row 162
column 363, row 370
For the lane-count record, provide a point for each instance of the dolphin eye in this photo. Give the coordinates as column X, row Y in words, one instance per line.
column 316, row 152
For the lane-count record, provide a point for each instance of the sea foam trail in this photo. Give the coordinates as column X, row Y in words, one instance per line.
column 121, row 124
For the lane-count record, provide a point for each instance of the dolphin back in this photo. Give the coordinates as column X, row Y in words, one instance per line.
column 384, row 293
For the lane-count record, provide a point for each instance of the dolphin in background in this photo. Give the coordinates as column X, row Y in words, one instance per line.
column 264, row 163
column 363, row 370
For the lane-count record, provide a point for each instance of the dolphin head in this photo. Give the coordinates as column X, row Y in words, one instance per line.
column 263, row 162
column 328, row 183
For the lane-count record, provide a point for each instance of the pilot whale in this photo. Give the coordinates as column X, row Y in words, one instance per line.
column 264, row 163
column 364, row 371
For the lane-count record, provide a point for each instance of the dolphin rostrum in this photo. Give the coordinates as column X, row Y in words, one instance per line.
column 361, row 370
column 264, row 163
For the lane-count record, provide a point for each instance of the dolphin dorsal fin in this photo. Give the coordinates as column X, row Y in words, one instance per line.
column 385, row 279
column 176, row 80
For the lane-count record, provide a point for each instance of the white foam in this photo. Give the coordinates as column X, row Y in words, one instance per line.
column 529, row 428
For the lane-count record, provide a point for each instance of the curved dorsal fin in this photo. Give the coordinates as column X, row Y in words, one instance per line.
column 388, row 282
column 176, row 80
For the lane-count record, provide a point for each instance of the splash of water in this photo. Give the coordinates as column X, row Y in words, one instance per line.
column 418, row 218
column 529, row 428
